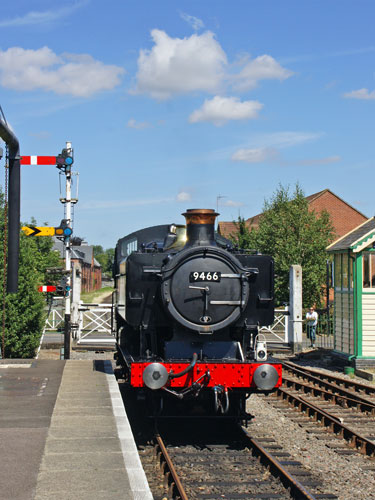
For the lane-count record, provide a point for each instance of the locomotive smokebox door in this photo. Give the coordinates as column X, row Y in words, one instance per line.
column 204, row 288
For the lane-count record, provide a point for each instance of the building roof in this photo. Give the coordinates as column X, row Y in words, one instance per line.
column 313, row 197
column 226, row 228
column 357, row 239
column 83, row 252
column 344, row 217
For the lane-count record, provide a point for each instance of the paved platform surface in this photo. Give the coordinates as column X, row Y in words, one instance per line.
column 64, row 433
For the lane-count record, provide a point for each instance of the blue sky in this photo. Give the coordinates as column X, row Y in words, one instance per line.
column 171, row 104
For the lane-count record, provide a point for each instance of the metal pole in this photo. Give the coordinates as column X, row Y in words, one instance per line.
column 68, row 216
column 13, row 206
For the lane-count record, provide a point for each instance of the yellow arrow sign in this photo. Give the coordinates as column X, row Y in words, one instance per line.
column 38, row 231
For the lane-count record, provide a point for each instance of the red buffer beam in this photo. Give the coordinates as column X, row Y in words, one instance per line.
column 38, row 160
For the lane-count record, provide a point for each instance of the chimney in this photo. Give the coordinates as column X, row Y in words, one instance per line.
column 200, row 227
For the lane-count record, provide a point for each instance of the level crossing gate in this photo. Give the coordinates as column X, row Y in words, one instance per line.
column 94, row 326
column 277, row 333
column 55, row 316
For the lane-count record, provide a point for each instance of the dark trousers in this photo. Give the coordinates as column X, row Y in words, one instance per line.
column 311, row 333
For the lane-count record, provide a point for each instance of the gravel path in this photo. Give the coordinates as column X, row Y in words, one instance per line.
column 346, row 476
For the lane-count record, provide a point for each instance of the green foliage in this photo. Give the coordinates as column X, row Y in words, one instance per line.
column 24, row 316
column 292, row 234
column 244, row 237
column 105, row 258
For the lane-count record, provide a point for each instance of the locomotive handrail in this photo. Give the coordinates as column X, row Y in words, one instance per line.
column 213, row 250
column 186, row 370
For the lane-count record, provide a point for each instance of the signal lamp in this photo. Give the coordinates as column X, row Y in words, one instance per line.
column 64, row 159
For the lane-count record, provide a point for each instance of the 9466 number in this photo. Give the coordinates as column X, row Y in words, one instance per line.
column 205, row 276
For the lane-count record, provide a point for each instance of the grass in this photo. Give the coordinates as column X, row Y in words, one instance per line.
column 92, row 296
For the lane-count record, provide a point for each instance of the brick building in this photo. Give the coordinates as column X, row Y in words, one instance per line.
column 344, row 217
column 83, row 264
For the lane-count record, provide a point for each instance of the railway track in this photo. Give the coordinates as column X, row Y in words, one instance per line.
column 196, row 461
column 345, row 408
column 336, row 383
column 225, row 462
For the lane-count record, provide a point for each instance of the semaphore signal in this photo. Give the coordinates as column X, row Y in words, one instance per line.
column 38, row 160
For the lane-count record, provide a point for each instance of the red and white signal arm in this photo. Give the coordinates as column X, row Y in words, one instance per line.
column 38, row 160
column 47, row 288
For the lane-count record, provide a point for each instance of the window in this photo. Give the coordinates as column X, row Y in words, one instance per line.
column 131, row 247
column 345, row 263
column 368, row 266
column 128, row 246
column 338, row 271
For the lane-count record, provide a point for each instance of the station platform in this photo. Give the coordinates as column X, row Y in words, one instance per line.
column 64, row 433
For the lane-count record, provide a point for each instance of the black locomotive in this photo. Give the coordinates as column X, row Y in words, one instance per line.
column 188, row 307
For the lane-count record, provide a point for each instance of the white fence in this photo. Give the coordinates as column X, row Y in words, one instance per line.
column 277, row 333
column 55, row 318
column 94, row 325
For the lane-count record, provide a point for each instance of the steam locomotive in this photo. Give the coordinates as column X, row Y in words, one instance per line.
column 188, row 307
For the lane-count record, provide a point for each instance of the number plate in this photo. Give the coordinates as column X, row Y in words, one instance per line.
column 196, row 276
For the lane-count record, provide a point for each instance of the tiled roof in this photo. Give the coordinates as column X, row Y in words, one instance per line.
column 227, row 228
column 344, row 217
column 81, row 252
column 350, row 239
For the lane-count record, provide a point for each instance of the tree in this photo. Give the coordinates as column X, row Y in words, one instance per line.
column 24, row 310
column 292, row 234
column 243, row 237
column 105, row 258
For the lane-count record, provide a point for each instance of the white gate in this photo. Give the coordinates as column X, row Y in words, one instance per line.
column 277, row 333
column 55, row 317
column 94, row 325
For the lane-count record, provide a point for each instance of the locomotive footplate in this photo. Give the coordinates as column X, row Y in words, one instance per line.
column 239, row 375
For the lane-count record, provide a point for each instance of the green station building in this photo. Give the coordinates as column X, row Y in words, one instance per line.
column 354, row 295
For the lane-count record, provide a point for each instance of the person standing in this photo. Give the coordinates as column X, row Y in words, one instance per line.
column 312, row 321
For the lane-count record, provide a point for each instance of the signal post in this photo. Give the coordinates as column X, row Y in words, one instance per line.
column 63, row 162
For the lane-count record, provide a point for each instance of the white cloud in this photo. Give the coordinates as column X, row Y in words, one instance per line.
column 263, row 67
column 138, row 125
column 257, row 155
column 198, row 63
column 221, row 109
column 364, row 94
column 79, row 75
column 177, row 66
column 284, row 139
column 42, row 17
column 194, row 22
column 320, row 161
column 232, row 203
column 266, row 147
column 183, row 196
column 43, row 134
